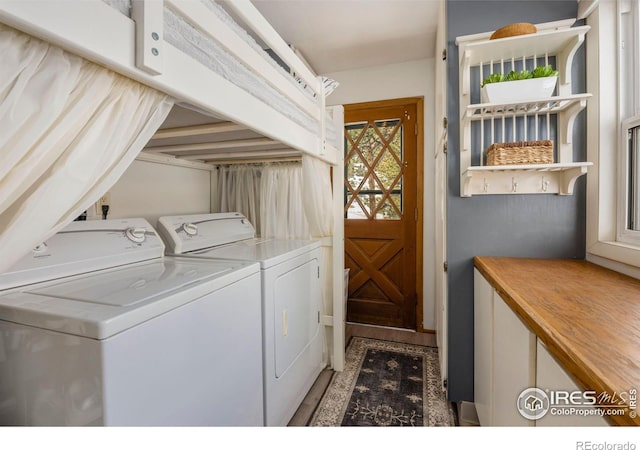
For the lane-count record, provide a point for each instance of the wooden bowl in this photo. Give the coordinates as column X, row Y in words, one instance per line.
column 515, row 29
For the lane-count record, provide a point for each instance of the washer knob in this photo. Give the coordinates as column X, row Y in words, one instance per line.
column 190, row 228
column 136, row 235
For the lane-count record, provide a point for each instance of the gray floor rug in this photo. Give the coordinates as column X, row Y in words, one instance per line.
column 385, row 384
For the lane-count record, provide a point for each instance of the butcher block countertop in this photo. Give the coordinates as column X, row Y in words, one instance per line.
column 586, row 315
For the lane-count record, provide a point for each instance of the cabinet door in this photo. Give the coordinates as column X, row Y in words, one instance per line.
column 514, row 362
column 551, row 376
column 483, row 354
column 504, row 358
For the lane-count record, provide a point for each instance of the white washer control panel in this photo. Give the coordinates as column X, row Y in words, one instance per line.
column 85, row 246
column 184, row 234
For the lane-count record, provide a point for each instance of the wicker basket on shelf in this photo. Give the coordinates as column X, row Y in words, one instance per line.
column 514, row 29
column 524, row 152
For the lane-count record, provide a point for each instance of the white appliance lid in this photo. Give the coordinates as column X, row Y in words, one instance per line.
column 198, row 231
column 86, row 246
column 268, row 252
column 101, row 304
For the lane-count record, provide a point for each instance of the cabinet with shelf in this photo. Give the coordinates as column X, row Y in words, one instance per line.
column 482, row 124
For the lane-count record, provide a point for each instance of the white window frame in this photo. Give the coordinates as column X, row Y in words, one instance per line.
column 625, row 234
column 606, row 245
column 629, row 62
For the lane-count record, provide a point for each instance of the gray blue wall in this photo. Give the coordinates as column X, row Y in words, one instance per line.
column 540, row 226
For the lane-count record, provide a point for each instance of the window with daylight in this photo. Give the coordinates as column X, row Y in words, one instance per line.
column 613, row 133
column 629, row 89
column 632, row 188
column 373, row 170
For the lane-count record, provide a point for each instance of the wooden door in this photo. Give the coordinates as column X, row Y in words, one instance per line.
column 381, row 213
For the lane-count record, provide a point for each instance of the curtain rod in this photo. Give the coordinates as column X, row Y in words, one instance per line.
column 255, row 161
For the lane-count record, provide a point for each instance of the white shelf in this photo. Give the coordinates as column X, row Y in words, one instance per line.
column 566, row 107
column 561, row 43
column 522, row 179
column 550, row 105
column 522, row 120
column 555, row 167
column 552, row 42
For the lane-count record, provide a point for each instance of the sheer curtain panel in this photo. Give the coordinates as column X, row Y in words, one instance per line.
column 68, row 130
column 282, row 214
column 239, row 191
column 269, row 195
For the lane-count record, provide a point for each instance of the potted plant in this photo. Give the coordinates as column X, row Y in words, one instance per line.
column 519, row 86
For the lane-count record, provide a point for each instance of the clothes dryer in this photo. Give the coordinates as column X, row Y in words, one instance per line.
column 291, row 299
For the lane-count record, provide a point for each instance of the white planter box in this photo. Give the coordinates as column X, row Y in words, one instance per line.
column 519, row 90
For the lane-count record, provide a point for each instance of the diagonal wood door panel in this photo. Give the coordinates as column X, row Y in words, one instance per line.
column 371, row 270
column 380, row 209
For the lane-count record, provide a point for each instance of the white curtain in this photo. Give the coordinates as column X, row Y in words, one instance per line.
column 281, row 205
column 318, row 207
column 239, row 191
column 68, row 130
column 269, row 195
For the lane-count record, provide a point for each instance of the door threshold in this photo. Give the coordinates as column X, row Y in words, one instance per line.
column 381, row 326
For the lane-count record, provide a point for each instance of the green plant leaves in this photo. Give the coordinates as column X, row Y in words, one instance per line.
column 544, row 71
column 522, row 75
column 493, row 78
column 538, row 72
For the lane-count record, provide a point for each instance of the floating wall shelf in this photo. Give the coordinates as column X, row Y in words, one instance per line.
column 482, row 124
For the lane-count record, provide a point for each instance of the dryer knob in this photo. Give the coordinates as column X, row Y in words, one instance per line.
column 136, row 235
column 190, row 228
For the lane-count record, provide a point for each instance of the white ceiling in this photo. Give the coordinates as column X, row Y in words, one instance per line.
column 336, row 35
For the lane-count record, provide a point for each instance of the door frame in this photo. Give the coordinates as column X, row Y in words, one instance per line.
column 440, row 190
column 419, row 103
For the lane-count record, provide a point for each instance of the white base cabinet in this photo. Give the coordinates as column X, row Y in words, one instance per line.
column 514, row 364
column 483, row 349
column 550, row 376
column 504, row 357
column 508, row 358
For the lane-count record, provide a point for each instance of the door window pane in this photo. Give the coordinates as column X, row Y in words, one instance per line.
column 373, row 170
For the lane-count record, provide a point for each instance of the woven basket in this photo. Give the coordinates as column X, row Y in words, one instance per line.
column 524, row 152
column 514, row 29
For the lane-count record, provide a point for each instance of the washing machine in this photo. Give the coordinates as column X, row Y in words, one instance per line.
column 291, row 299
column 98, row 327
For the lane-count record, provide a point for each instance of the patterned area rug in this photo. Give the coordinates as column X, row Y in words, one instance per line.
column 385, row 384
